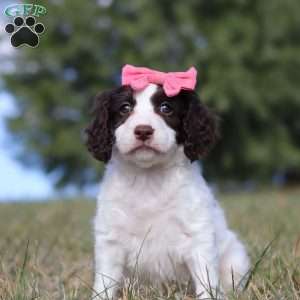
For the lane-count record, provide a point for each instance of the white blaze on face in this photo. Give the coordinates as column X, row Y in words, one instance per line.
column 163, row 140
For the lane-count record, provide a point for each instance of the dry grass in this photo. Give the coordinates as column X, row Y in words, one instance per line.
column 46, row 249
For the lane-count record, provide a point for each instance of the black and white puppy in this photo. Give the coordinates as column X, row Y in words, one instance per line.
column 155, row 210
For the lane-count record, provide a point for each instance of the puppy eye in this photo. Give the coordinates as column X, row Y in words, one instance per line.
column 166, row 108
column 126, row 108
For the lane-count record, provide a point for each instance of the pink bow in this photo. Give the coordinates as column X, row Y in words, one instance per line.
column 173, row 82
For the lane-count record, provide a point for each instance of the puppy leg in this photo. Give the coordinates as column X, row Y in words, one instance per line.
column 203, row 266
column 109, row 263
column 234, row 263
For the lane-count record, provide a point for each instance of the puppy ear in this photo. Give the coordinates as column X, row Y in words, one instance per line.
column 100, row 136
column 200, row 129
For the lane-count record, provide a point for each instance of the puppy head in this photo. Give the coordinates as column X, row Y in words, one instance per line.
column 146, row 127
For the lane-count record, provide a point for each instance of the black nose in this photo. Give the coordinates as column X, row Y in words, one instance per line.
column 143, row 132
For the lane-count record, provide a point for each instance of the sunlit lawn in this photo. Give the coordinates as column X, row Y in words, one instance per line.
column 46, row 249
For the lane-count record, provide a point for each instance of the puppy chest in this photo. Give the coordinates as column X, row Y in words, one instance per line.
column 157, row 244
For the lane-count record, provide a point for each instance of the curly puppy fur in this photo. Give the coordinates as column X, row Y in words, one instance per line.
column 154, row 206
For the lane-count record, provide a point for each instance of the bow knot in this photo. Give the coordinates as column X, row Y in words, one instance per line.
column 172, row 82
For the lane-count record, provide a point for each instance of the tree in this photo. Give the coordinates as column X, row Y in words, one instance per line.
column 249, row 69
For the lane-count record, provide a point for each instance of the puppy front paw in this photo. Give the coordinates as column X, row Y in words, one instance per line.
column 100, row 292
column 209, row 294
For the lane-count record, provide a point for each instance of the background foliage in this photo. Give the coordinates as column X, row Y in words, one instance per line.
column 246, row 51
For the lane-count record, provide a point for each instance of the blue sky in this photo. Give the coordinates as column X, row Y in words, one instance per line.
column 16, row 181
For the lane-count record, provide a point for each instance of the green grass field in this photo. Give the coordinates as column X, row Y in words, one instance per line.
column 46, row 249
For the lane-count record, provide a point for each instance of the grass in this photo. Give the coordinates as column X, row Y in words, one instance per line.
column 46, row 249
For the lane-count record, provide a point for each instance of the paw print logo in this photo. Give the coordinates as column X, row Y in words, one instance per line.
column 25, row 31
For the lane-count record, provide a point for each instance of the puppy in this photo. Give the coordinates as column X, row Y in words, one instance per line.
column 156, row 216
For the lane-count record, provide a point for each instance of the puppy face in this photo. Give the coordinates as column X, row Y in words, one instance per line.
column 146, row 127
column 145, row 138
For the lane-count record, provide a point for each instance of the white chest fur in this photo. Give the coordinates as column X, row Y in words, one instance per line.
column 156, row 216
column 165, row 224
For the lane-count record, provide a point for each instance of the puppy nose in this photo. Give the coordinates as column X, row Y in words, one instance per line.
column 143, row 132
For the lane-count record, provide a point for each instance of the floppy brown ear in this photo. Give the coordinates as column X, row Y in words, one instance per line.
column 100, row 136
column 200, row 128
